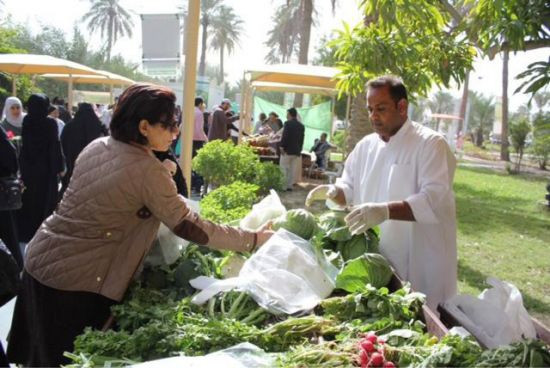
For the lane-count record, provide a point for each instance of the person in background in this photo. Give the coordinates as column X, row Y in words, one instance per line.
column 320, row 148
column 12, row 117
column 9, row 168
column 84, row 257
column 41, row 163
column 53, row 112
column 235, row 127
column 401, row 178
column 291, row 145
column 261, row 119
column 77, row 134
column 274, row 123
column 199, row 140
column 220, row 123
column 64, row 114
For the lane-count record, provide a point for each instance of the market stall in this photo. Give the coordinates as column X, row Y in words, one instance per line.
column 314, row 295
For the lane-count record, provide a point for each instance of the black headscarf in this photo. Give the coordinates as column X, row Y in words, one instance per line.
column 77, row 134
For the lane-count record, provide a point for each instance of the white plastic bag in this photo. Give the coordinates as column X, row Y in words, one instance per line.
column 243, row 355
column 168, row 246
column 283, row 276
column 497, row 317
column 262, row 212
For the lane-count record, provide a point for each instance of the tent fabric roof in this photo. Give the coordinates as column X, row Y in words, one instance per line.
column 296, row 74
column 270, row 86
column 103, row 78
column 40, row 64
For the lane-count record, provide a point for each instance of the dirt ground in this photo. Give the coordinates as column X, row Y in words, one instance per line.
column 297, row 198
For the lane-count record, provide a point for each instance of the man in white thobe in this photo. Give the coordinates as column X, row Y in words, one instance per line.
column 400, row 177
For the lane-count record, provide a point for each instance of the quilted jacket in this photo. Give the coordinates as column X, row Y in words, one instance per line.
column 108, row 218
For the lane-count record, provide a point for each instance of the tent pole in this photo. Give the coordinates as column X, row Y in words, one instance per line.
column 70, row 97
column 242, row 113
column 111, row 100
column 189, row 82
column 14, row 85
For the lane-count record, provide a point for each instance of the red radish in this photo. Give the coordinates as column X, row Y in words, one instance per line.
column 363, row 357
column 368, row 346
column 377, row 359
column 389, row 365
column 371, row 336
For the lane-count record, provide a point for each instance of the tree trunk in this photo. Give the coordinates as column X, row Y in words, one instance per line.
column 221, row 64
column 306, row 10
column 359, row 123
column 202, row 64
column 463, row 103
column 110, row 39
column 504, row 154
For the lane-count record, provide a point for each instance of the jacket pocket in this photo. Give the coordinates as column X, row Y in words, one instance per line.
column 401, row 183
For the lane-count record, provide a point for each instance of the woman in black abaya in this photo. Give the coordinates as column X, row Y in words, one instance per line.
column 77, row 134
column 41, row 161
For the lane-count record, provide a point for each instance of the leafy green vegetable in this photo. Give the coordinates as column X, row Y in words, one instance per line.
column 229, row 202
column 370, row 268
column 299, row 221
column 334, row 227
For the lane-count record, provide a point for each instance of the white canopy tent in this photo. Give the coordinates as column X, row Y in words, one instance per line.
column 108, row 78
column 296, row 78
column 41, row 64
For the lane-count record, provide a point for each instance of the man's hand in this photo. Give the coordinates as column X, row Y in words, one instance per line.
column 364, row 216
column 321, row 193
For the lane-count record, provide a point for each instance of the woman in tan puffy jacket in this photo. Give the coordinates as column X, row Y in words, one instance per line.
column 83, row 257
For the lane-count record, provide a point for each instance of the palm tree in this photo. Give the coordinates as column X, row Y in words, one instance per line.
column 441, row 103
column 541, row 98
column 111, row 19
column 482, row 113
column 306, row 22
column 284, row 36
column 228, row 27
column 209, row 10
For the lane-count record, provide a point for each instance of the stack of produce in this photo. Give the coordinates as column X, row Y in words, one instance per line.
column 260, row 145
column 362, row 323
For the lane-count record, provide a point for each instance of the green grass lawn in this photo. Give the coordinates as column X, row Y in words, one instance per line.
column 503, row 231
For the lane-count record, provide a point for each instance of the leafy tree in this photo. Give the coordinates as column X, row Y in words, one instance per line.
column 111, row 19
column 541, row 138
column 508, row 26
column 228, row 28
column 542, row 99
column 482, row 112
column 519, row 129
column 8, row 45
column 209, row 10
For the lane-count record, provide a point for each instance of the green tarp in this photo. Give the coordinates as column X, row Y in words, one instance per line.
column 317, row 119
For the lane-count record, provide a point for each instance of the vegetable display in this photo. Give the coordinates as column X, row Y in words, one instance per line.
column 362, row 324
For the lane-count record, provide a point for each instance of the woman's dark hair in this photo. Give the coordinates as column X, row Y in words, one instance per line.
column 396, row 87
column 150, row 102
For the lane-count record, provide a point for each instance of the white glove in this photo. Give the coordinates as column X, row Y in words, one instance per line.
column 171, row 166
column 364, row 216
column 321, row 193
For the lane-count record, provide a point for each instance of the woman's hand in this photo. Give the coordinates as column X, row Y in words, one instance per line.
column 263, row 234
column 171, row 166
